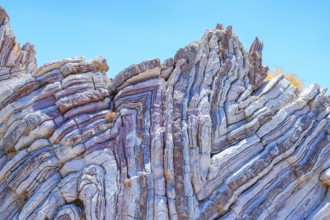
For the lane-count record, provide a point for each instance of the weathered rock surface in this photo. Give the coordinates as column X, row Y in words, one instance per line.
column 199, row 136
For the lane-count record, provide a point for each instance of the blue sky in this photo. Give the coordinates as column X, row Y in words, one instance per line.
column 296, row 34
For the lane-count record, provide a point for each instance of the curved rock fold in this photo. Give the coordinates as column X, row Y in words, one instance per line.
column 198, row 136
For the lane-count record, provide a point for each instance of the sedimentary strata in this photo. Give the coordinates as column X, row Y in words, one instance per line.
column 197, row 136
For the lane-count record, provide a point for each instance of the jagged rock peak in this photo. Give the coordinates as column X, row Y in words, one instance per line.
column 14, row 58
column 3, row 16
column 197, row 136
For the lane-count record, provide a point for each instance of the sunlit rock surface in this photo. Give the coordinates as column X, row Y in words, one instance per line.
column 197, row 136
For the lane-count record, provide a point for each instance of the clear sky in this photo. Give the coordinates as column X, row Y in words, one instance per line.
column 296, row 34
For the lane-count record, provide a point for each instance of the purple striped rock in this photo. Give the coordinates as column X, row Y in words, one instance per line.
column 198, row 136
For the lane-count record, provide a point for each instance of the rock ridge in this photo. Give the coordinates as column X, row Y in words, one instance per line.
column 197, row 136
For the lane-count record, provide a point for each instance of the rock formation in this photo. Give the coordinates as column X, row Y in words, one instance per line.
column 198, row 136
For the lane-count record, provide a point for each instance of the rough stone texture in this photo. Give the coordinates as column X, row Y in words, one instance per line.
column 199, row 136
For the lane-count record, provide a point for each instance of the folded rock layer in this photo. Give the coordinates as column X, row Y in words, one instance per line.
column 198, row 136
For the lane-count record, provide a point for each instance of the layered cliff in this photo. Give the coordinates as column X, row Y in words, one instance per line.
column 198, row 136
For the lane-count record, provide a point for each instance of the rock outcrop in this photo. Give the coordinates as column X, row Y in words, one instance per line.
column 198, row 136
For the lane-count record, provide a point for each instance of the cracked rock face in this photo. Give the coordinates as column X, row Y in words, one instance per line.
column 198, row 136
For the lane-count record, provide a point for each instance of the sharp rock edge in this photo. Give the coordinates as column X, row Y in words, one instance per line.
column 198, row 136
